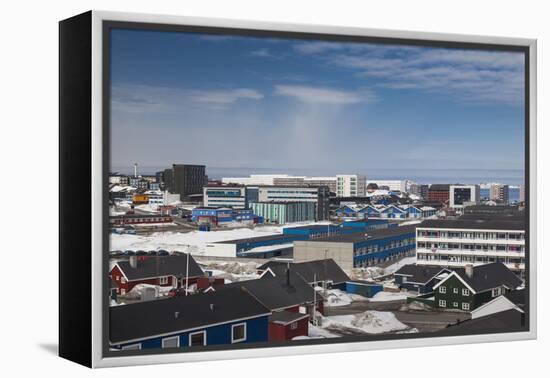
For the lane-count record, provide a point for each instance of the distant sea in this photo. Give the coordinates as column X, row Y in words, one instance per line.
column 513, row 177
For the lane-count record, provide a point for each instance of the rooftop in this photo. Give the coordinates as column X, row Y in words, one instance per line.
column 160, row 266
column 505, row 321
column 256, row 239
column 275, row 293
column 381, row 233
column 482, row 224
column 148, row 319
column 310, row 271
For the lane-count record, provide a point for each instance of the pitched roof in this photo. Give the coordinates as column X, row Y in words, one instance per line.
column 167, row 316
column 517, row 297
column 326, row 269
column 159, row 266
column 274, row 293
column 419, row 273
column 286, row 317
column 506, row 321
column 486, row 277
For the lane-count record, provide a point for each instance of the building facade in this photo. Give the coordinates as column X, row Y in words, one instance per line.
column 456, row 243
column 225, row 196
column 499, row 193
column 351, row 186
column 393, row 185
column 319, row 196
column 185, row 179
column 460, row 195
column 438, row 193
column 284, row 212
column 359, row 249
column 420, row 190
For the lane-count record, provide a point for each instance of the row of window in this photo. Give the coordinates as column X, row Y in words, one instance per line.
column 472, row 247
column 465, row 305
column 473, row 235
column 465, row 292
column 378, row 248
column 238, row 334
column 469, row 259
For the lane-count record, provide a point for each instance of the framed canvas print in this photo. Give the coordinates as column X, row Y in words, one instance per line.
column 255, row 189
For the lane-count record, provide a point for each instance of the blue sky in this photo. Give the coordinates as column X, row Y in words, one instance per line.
column 230, row 101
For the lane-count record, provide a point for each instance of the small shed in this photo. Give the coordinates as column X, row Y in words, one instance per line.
column 364, row 288
column 285, row 325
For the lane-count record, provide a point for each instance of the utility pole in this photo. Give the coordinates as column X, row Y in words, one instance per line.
column 187, row 274
column 314, row 299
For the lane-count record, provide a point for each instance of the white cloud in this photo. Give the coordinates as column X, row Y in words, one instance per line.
column 262, row 53
column 143, row 98
column 466, row 75
column 324, row 95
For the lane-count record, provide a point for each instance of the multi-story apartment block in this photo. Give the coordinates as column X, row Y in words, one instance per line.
column 393, row 185
column 185, row 179
column 225, row 196
column 420, row 190
column 460, row 195
column 522, row 193
column 284, row 212
column 351, row 186
column 456, row 243
column 438, row 193
column 320, row 196
column 499, row 193
column 322, row 181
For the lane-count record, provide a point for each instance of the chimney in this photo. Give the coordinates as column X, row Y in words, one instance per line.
column 469, row 269
column 133, row 261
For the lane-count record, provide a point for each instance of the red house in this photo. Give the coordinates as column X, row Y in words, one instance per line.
column 285, row 325
column 174, row 271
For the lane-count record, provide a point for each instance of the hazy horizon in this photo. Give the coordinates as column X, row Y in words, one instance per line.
column 242, row 103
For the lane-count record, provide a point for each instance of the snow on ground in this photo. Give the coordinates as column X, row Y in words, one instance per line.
column 373, row 322
column 395, row 267
column 368, row 273
column 316, row 332
column 384, row 296
column 194, row 241
column 231, row 271
column 336, row 297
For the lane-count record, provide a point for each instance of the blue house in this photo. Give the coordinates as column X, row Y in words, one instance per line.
column 393, row 212
column 213, row 318
column 412, row 211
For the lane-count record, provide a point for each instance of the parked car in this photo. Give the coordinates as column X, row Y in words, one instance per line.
column 141, row 253
column 129, row 253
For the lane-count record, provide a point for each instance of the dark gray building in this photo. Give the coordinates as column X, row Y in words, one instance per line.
column 185, row 179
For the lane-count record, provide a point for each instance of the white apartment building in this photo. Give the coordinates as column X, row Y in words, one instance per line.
column 459, row 195
column 394, row 185
column 351, row 186
column 522, row 193
column 225, row 196
column 499, row 193
column 254, row 179
column 455, row 243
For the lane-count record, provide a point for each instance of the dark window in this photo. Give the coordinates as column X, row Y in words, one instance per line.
column 197, row 339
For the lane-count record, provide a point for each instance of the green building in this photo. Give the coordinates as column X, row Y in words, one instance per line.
column 284, row 212
column 468, row 288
